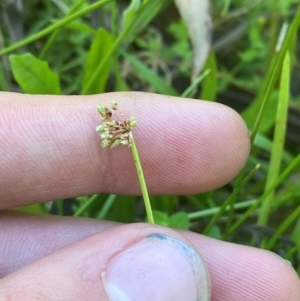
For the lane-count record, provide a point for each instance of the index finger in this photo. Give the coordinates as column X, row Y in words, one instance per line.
column 50, row 149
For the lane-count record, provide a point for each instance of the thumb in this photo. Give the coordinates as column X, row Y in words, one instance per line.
column 130, row 262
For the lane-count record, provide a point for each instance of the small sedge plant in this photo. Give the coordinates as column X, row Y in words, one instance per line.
column 115, row 133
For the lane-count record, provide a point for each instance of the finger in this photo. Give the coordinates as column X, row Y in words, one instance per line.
column 245, row 273
column 50, row 149
column 130, row 263
column 27, row 237
column 237, row 272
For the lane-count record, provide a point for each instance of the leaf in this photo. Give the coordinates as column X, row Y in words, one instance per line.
column 278, row 140
column 3, row 81
column 130, row 12
column 196, row 15
column 161, row 218
column 34, row 208
column 147, row 11
column 139, row 16
column 250, row 113
column 151, row 77
column 265, row 143
column 210, row 82
column 123, row 209
column 179, row 220
column 271, row 76
column 164, row 203
column 100, row 47
column 81, row 26
column 34, row 75
column 215, row 232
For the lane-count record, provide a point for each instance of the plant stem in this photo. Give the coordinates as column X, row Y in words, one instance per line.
column 189, row 91
column 228, row 202
column 55, row 34
column 280, row 230
column 272, row 74
column 144, row 15
column 259, row 201
column 86, row 204
column 278, row 139
column 107, row 205
column 212, row 211
column 142, row 181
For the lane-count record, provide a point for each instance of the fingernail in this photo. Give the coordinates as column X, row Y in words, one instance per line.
column 158, row 267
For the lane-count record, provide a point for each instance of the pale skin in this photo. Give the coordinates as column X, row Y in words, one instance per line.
column 50, row 150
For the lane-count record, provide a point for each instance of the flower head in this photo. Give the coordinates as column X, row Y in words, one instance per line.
column 114, row 132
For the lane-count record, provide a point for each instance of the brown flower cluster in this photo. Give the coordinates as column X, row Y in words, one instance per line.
column 113, row 132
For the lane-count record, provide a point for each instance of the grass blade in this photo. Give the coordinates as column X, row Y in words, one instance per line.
column 102, row 42
column 280, row 179
column 229, row 200
column 210, row 82
column 55, row 26
column 151, row 77
column 143, row 16
column 279, row 138
column 258, row 106
column 191, row 88
column 283, row 227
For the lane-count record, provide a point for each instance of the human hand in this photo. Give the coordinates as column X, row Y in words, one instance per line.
column 50, row 150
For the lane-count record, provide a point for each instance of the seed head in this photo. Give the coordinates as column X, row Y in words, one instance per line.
column 113, row 132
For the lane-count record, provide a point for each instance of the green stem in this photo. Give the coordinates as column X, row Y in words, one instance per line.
column 55, row 34
column 213, row 221
column 278, row 140
column 225, row 8
column 287, row 222
column 55, row 26
column 49, row 43
column 273, row 71
column 107, row 205
column 3, row 82
column 104, row 60
column 140, row 19
column 189, row 91
column 86, row 204
column 274, row 25
column 212, row 211
column 292, row 251
column 142, row 181
column 281, row 178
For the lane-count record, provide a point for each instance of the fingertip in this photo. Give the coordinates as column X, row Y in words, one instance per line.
column 186, row 146
column 130, row 262
column 160, row 267
column 195, row 146
column 245, row 273
column 284, row 278
column 235, row 137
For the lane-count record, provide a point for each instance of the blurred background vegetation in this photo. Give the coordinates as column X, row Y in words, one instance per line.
column 89, row 47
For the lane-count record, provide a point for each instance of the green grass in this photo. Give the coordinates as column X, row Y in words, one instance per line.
column 73, row 57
